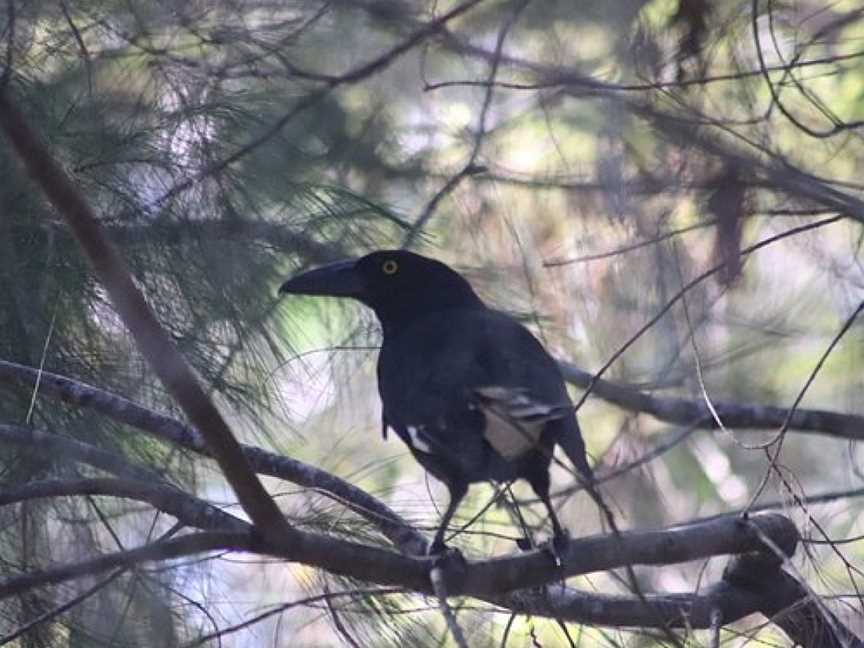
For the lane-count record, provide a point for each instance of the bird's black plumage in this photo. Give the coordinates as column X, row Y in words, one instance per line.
column 471, row 391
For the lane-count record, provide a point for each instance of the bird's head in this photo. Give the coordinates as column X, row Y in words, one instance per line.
column 396, row 284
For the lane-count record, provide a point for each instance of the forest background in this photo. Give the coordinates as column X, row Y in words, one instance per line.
column 668, row 193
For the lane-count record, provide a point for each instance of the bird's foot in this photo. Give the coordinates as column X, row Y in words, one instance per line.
column 443, row 556
column 525, row 544
column 447, row 568
column 557, row 547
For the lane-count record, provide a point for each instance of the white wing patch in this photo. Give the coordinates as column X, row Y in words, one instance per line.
column 417, row 441
column 514, row 420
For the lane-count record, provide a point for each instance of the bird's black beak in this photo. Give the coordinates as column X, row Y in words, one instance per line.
column 340, row 279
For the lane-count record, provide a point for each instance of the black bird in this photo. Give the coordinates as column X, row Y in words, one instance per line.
column 471, row 391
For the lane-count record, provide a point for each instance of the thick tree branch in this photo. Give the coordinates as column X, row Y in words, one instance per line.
column 491, row 579
column 188, row 510
column 60, row 447
column 121, row 409
column 683, row 543
column 753, row 582
column 497, row 576
column 695, row 412
column 151, row 339
column 395, row 528
column 692, row 610
column 784, row 600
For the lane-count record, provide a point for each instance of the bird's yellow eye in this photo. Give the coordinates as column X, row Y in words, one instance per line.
column 389, row 267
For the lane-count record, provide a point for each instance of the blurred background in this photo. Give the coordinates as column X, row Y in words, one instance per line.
column 580, row 163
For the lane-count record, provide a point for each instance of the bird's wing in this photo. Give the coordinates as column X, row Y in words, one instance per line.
column 514, row 419
column 468, row 379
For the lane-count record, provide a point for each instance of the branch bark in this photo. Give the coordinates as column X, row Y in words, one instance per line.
column 788, row 603
column 188, row 510
column 488, row 579
column 136, row 314
column 695, row 412
column 485, row 578
column 520, row 575
column 751, row 583
column 163, row 427
column 393, row 526
column 55, row 445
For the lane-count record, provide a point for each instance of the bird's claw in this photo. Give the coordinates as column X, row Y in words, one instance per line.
column 447, row 569
column 557, row 547
column 443, row 556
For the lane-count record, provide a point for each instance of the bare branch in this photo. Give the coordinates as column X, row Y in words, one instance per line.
column 683, row 291
column 394, row 527
column 786, row 602
column 60, row 609
column 487, row 579
column 55, row 445
column 189, row 510
column 721, row 536
column 695, row 412
column 470, row 167
column 175, row 548
column 154, row 343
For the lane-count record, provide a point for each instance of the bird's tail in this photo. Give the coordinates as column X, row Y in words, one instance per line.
column 570, row 441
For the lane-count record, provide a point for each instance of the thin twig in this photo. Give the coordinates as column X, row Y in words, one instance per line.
column 694, row 282
column 436, row 576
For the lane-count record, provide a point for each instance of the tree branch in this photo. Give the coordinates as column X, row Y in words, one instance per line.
column 695, row 412
column 753, row 582
column 121, row 409
column 174, row 548
column 393, row 526
column 136, row 314
column 189, row 510
column 786, row 602
column 483, row 578
column 490, row 579
column 57, row 446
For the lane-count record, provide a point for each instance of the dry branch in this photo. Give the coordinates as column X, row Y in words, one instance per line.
column 166, row 428
column 496, row 576
column 695, row 412
column 136, row 314
column 188, row 510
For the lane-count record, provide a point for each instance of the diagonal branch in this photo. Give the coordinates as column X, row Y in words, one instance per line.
column 184, row 546
column 136, row 314
column 788, row 603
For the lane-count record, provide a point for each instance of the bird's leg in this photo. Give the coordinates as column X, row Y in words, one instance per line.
column 560, row 538
column 457, row 492
column 526, row 542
